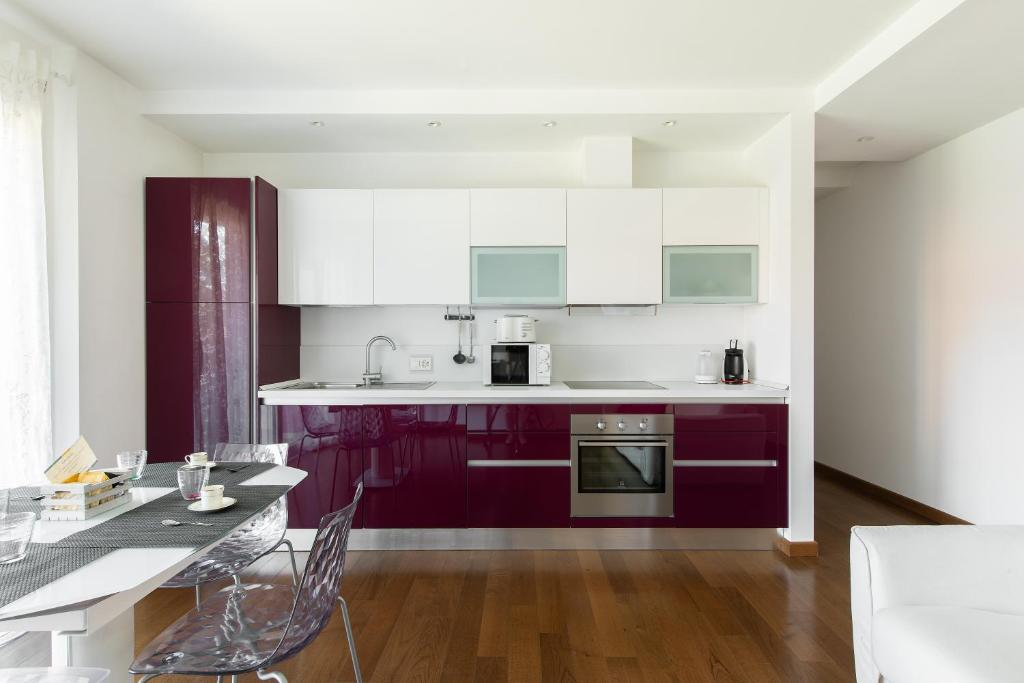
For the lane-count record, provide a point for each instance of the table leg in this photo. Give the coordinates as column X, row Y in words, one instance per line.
column 109, row 647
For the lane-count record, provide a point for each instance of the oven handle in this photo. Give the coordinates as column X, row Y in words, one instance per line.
column 614, row 442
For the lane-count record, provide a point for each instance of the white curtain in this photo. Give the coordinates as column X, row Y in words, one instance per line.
column 25, row 437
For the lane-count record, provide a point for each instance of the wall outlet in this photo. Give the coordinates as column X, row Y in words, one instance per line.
column 421, row 363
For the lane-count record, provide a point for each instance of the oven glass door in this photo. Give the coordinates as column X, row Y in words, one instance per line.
column 510, row 364
column 622, row 466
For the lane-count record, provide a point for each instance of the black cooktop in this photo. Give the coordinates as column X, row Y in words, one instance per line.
column 612, row 384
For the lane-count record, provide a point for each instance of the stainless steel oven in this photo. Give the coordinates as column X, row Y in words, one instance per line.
column 622, row 465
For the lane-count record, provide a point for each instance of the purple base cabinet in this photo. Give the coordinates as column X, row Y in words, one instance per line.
column 414, row 467
column 518, row 497
column 731, row 466
column 326, row 443
column 519, row 466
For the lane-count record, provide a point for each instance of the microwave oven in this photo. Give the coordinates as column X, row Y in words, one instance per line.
column 517, row 364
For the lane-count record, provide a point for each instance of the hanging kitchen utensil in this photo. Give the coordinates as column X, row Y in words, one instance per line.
column 459, row 357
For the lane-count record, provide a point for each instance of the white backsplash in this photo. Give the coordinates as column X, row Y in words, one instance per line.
column 655, row 347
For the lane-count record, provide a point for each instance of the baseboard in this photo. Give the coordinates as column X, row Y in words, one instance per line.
column 796, row 548
column 875, row 491
column 549, row 539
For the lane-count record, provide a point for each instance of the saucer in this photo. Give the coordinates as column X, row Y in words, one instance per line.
column 225, row 502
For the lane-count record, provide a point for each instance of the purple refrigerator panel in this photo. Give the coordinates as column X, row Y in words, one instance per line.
column 197, row 377
column 197, row 240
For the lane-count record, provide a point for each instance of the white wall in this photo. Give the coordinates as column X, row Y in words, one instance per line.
column 661, row 347
column 117, row 149
column 920, row 317
column 301, row 170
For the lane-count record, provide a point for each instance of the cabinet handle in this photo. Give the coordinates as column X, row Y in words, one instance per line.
column 725, row 463
column 518, row 463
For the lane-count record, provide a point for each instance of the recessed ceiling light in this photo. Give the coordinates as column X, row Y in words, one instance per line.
column 866, row 138
column 317, row 124
column 669, row 123
column 550, row 124
column 434, row 124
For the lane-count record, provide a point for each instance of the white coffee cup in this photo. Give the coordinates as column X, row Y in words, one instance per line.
column 212, row 496
column 199, row 458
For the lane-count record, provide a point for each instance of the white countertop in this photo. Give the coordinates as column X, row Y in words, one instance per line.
column 557, row 392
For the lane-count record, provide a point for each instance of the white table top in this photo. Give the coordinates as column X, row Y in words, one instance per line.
column 90, row 596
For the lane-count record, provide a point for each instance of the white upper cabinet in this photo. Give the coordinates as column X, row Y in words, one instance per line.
column 421, row 247
column 714, row 215
column 325, row 247
column 517, row 218
column 613, row 246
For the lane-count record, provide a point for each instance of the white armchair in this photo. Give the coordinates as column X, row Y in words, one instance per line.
column 938, row 604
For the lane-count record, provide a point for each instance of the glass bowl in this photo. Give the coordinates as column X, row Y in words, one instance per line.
column 15, row 533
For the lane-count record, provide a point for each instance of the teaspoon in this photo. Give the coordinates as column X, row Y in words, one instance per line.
column 174, row 522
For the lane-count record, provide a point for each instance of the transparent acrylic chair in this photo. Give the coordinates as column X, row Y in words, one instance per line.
column 77, row 675
column 264, row 534
column 252, row 627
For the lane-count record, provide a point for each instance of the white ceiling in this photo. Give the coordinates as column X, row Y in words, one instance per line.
column 964, row 71
column 479, row 44
column 476, row 133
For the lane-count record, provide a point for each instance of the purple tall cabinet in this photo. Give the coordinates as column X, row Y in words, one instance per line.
column 202, row 311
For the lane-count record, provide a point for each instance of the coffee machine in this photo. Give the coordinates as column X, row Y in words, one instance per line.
column 733, row 371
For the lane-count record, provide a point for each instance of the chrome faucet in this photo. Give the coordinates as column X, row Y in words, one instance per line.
column 369, row 377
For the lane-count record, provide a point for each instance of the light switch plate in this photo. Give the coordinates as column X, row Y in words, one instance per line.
column 421, row 363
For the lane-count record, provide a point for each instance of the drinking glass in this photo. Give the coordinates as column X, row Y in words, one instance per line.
column 15, row 532
column 191, row 480
column 132, row 460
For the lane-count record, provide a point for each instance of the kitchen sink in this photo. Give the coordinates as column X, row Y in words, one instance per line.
column 415, row 386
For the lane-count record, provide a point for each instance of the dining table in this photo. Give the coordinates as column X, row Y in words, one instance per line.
column 125, row 556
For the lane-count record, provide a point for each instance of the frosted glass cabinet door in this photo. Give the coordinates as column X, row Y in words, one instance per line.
column 710, row 275
column 519, row 275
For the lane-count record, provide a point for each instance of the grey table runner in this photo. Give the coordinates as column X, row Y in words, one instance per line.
column 141, row 528
column 137, row 528
column 166, row 473
column 20, row 500
column 43, row 565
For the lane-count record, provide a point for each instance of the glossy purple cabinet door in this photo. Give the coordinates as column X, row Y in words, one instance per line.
column 414, row 466
column 520, row 446
column 326, row 443
column 265, row 224
column 518, row 497
column 729, row 417
column 197, row 240
column 197, row 377
column 519, row 418
column 621, row 409
column 728, row 497
column 726, row 445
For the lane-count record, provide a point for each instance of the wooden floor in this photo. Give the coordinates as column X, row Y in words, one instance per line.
column 583, row 616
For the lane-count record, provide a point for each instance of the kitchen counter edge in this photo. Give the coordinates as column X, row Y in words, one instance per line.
column 469, row 392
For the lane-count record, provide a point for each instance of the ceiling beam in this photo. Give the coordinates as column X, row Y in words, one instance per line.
column 911, row 24
column 198, row 102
